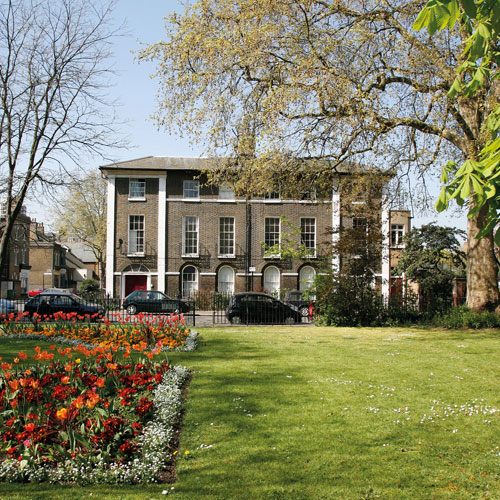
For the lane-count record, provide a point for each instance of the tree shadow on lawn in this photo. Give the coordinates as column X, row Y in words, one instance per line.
column 455, row 335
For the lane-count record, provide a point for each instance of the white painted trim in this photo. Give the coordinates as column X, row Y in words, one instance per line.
column 335, row 223
column 386, row 242
column 110, row 235
column 172, row 273
column 216, row 200
column 162, row 223
column 208, row 274
column 248, row 274
column 290, row 274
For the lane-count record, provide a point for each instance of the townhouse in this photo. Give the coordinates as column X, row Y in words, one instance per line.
column 167, row 231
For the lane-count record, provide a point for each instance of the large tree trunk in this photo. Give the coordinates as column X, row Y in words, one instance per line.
column 482, row 267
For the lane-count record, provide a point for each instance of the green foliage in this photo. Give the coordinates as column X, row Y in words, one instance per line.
column 90, row 289
column 477, row 181
column 344, row 300
column 432, row 257
column 463, row 317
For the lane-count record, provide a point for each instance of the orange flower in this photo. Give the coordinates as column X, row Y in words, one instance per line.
column 65, row 379
column 92, row 401
column 6, row 366
column 14, row 385
column 111, row 366
column 100, row 382
column 68, row 367
column 62, row 414
column 78, row 402
column 29, row 427
column 16, row 361
column 34, row 384
column 22, row 355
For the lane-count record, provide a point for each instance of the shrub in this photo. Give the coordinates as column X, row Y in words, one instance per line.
column 90, row 290
column 463, row 317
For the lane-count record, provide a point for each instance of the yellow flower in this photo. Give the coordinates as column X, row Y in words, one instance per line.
column 186, row 452
column 78, row 361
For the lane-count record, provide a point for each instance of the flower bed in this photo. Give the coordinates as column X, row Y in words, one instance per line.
column 170, row 331
column 88, row 416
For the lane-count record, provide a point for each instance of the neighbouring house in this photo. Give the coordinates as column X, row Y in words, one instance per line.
column 85, row 254
column 169, row 232
column 53, row 263
column 15, row 276
column 400, row 225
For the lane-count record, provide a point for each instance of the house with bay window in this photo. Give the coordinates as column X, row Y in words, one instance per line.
column 168, row 231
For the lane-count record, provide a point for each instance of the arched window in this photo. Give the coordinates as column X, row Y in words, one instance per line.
column 135, row 268
column 272, row 280
column 306, row 278
column 225, row 282
column 189, row 281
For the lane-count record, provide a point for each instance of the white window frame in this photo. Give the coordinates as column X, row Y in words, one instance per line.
column 305, row 285
column 191, row 189
column 139, row 249
column 399, row 230
column 272, row 256
column 220, row 282
column 220, row 252
column 276, row 290
column 131, row 192
column 311, row 250
column 193, row 288
column 272, row 197
column 185, row 220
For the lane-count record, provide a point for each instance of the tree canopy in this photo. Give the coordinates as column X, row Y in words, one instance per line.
column 347, row 82
column 432, row 257
column 81, row 214
column 53, row 105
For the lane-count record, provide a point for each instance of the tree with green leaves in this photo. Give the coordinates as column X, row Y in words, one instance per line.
column 81, row 214
column 345, row 83
column 433, row 257
column 476, row 182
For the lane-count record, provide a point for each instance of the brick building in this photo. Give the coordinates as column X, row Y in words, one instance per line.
column 168, row 232
column 53, row 263
column 15, row 276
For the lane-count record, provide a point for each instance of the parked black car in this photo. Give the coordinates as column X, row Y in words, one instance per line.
column 251, row 307
column 153, row 302
column 296, row 298
column 48, row 303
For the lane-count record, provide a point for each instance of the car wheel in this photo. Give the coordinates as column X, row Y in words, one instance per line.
column 236, row 320
column 131, row 309
column 304, row 311
column 290, row 320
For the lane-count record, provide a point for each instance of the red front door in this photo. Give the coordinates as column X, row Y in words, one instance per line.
column 133, row 282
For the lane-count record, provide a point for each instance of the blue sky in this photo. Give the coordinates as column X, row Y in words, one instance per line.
column 135, row 91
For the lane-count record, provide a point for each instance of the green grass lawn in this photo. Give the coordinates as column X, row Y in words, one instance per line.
column 329, row 413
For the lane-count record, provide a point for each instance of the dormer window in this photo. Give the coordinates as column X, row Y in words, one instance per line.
column 272, row 196
column 191, row 190
column 226, row 193
column 137, row 189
